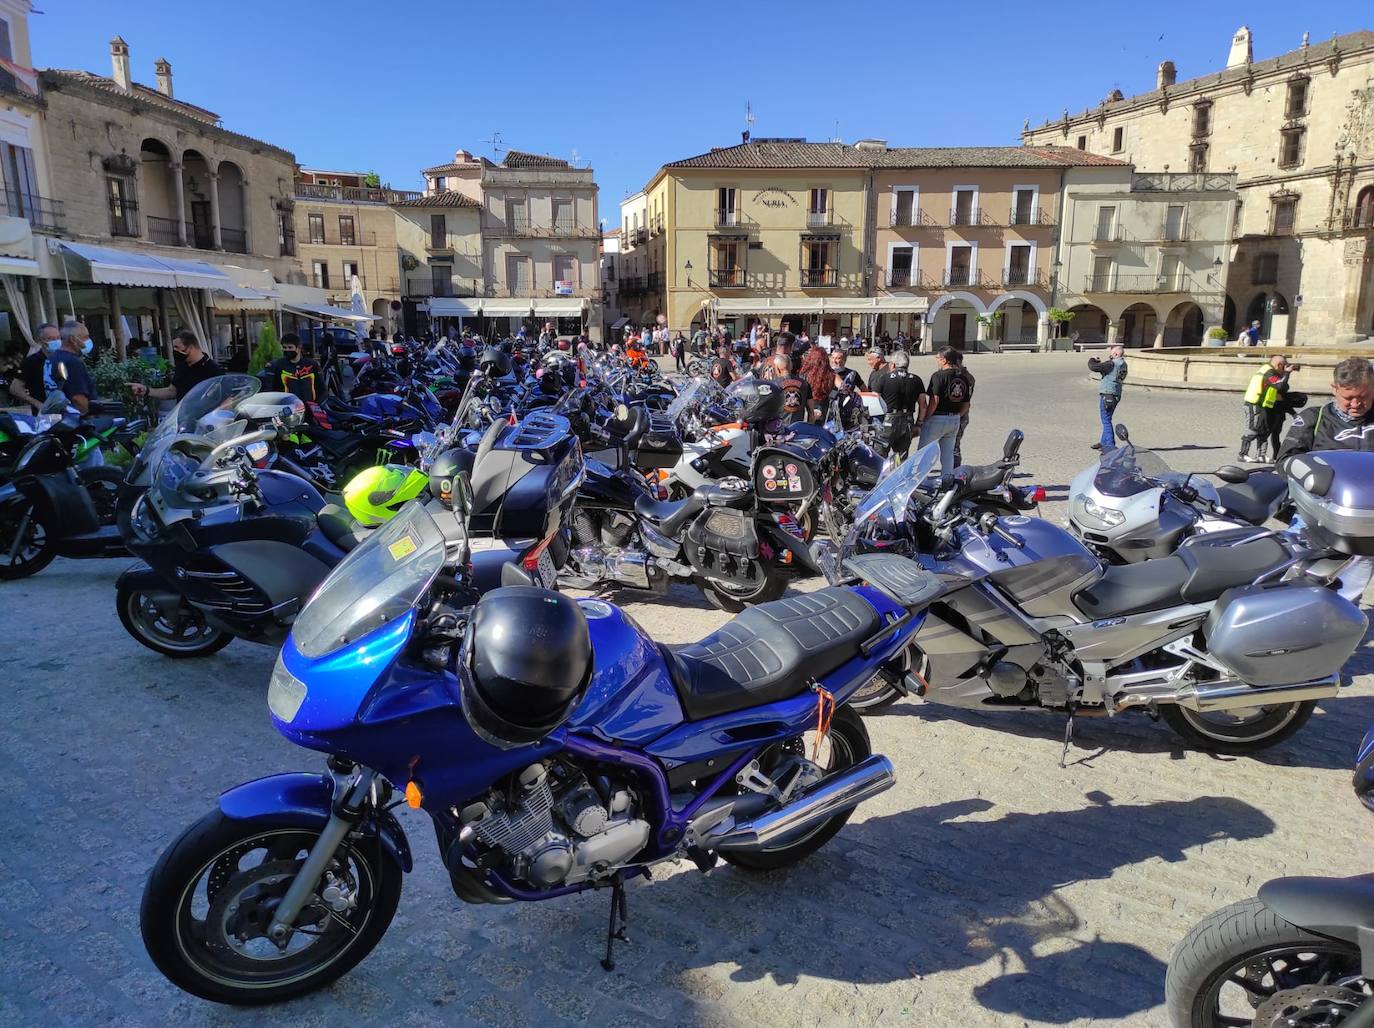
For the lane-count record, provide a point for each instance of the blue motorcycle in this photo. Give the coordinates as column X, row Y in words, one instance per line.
column 556, row 747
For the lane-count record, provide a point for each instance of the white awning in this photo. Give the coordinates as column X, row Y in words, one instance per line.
column 324, row 312
column 130, row 268
column 559, row 307
column 876, row 305
column 17, row 266
column 741, row 305
column 506, row 307
column 16, row 238
column 454, row 307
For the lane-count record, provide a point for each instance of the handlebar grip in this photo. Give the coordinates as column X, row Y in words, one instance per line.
column 1007, row 537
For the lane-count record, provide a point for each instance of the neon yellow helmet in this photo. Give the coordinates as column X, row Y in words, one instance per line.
column 375, row 494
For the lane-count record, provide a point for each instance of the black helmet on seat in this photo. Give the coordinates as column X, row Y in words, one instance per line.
column 526, row 665
column 446, row 467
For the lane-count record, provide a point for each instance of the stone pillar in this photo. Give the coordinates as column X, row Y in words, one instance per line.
column 214, row 209
column 1042, row 333
column 181, row 202
column 1113, row 331
column 248, row 221
column 981, row 334
column 1159, row 332
column 51, row 294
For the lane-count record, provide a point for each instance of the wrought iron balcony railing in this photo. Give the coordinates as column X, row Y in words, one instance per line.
column 815, row 277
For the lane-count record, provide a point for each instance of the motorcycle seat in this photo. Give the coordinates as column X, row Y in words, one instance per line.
column 770, row 652
column 669, row 515
column 1195, row 574
column 978, row 478
column 339, row 527
column 1255, row 498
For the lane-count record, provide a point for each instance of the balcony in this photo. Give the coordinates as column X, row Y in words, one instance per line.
column 653, row 282
column 163, row 231
column 631, row 284
column 901, row 279
column 123, row 217
column 641, row 236
column 817, row 278
column 1024, row 278
column 1036, row 216
column 41, row 212
column 1137, row 284
column 354, row 194
column 818, row 219
column 972, row 217
column 727, row 219
column 727, row 278
column 911, row 219
column 961, row 277
column 233, row 240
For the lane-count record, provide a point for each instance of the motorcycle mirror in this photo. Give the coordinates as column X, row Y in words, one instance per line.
column 1122, row 434
column 462, row 496
column 1012, row 446
column 1232, row 474
column 514, row 574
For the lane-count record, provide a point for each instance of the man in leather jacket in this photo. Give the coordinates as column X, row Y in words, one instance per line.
column 1346, row 422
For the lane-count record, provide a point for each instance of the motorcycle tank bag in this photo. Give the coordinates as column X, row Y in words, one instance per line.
column 1333, row 491
column 526, row 663
column 1283, row 634
column 782, row 475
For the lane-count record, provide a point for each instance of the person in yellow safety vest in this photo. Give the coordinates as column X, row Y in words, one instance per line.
column 1267, row 387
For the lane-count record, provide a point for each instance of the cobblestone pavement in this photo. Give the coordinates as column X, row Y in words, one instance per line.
column 988, row 887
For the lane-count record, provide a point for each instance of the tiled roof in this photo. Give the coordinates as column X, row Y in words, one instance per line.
column 1293, row 60
column 142, row 92
column 448, row 198
column 153, row 98
column 611, row 232
column 440, row 169
column 520, row 159
column 839, row 155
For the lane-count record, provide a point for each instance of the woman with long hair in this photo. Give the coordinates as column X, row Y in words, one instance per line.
column 815, row 368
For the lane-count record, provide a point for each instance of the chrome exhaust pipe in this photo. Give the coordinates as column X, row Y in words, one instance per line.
column 832, row 795
column 1205, row 697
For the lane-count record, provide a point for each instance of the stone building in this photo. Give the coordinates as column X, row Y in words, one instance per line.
column 167, row 214
column 439, row 253
column 612, row 316
column 540, row 239
column 1297, row 131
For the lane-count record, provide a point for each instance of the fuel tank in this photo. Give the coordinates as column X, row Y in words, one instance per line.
column 1040, row 576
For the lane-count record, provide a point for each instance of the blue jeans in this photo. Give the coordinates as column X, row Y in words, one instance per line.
column 1106, row 405
column 942, row 429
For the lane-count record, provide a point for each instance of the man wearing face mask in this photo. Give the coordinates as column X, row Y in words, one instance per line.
column 291, row 374
column 67, row 371
column 1344, row 423
column 27, row 386
column 192, row 367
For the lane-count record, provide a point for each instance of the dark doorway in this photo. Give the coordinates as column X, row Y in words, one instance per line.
column 201, row 227
column 958, row 330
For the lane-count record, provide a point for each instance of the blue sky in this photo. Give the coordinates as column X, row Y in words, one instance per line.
column 627, row 86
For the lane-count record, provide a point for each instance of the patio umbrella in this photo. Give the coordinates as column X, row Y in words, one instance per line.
column 359, row 307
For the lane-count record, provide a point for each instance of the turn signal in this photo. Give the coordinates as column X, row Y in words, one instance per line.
column 413, row 796
column 1038, row 495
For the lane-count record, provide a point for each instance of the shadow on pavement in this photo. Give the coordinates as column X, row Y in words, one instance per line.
column 910, row 895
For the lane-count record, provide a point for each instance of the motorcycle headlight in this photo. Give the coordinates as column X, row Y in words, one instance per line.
column 285, row 693
column 1107, row 515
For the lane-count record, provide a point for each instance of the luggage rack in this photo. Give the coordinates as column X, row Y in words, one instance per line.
column 901, row 580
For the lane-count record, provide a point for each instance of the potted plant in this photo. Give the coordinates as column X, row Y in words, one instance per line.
column 1060, row 319
column 266, row 351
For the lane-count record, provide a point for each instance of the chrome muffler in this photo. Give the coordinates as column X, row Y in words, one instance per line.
column 832, row 795
column 1205, row 697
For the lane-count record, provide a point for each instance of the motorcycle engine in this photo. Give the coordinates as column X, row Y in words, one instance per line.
column 555, row 828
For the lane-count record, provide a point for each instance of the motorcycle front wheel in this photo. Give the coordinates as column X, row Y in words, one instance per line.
column 1244, row 731
column 183, row 634
column 26, row 547
column 212, row 895
column 1245, row 964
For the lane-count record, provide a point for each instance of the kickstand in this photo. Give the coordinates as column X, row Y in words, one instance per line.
column 620, row 916
column 1068, row 736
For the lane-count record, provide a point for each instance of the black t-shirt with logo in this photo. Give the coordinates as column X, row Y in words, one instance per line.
column 952, row 388
column 796, row 394
column 900, row 390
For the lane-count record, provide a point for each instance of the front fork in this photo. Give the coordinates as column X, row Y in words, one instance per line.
column 355, row 790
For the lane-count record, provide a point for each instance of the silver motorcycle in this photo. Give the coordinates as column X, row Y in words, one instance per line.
column 1230, row 639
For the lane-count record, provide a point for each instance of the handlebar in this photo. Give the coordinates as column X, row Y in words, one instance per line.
column 988, row 523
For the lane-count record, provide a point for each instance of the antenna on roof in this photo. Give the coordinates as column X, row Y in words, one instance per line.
column 748, row 119
column 836, row 137
column 495, row 142
column 573, row 162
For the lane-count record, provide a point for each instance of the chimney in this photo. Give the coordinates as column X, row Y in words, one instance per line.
column 1166, row 76
column 1242, row 50
column 164, row 77
column 119, row 60
column 744, row 136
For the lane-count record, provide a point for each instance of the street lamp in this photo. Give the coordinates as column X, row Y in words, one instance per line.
column 688, row 268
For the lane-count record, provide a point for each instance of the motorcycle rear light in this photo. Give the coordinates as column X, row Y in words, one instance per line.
column 1038, row 494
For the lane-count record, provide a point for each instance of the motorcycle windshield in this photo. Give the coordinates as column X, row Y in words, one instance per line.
column 375, row 584
column 700, row 390
column 888, row 500
column 221, row 393
column 1127, row 470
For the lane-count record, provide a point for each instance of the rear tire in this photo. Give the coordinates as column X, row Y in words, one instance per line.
column 188, row 636
column 203, row 911
column 849, row 745
column 1246, row 940
column 102, row 484
column 1267, row 727
column 774, row 585
column 33, row 552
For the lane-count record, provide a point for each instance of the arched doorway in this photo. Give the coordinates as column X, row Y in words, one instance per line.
column 233, row 208
column 196, row 185
column 1089, row 324
column 157, row 192
column 1020, row 321
column 1363, row 215
column 1139, row 325
column 1255, row 311
column 953, row 320
column 1228, row 318
column 1184, row 325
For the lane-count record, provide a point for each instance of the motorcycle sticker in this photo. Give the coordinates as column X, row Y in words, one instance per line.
column 770, row 485
column 402, row 547
column 794, row 483
column 769, row 471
